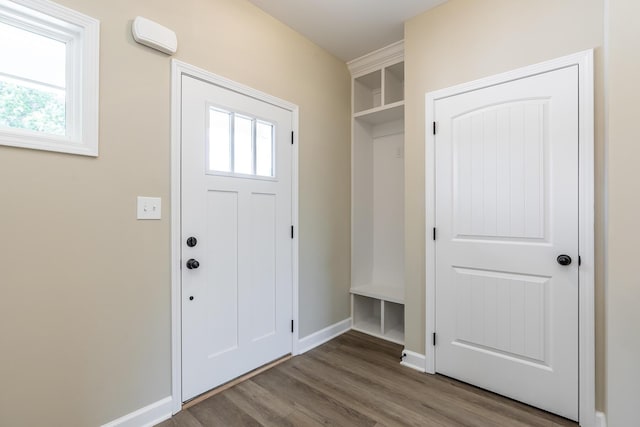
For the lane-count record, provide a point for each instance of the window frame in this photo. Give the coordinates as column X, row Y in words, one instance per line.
column 254, row 121
column 81, row 34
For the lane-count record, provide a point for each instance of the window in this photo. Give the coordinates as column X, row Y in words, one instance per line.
column 48, row 77
column 239, row 144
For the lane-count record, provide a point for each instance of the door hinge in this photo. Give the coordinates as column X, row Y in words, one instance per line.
column 292, row 231
column 434, row 339
column 291, row 325
column 579, row 261
column 291, row 137
column 434, row 233
column 434, row 128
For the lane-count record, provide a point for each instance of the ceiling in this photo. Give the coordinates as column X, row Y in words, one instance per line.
column 347, row 28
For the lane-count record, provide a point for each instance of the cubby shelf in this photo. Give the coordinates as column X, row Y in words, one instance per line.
column 378, row 317
column 391, row 293
column 377, row 188
column 382, row 114
column 378, row 89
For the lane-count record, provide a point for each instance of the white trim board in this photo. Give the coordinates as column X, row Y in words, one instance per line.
column 586, row 275
column 148, row 416
column 377, row 59
column 178, row 69
column 413, row 360
column 322, row 336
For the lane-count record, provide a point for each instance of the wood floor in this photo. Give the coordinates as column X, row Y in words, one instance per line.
column 356, row 380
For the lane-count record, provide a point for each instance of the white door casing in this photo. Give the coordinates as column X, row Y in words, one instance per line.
column 507, row 197
column 245, row 289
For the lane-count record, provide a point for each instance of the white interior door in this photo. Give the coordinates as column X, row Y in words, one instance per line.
column 506, row 209
column 236, row 238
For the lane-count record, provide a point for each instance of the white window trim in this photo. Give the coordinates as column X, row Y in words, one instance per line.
column 82, row 34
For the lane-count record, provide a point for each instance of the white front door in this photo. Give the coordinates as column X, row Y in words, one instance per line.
column 506, row 215
column 236, row 234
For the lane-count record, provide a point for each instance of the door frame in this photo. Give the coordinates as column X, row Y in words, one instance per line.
column 179, row 69
column 586, row 274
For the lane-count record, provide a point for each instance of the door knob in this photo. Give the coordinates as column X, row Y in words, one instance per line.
column 192, row 241
column 192, row 264
column 564, row 259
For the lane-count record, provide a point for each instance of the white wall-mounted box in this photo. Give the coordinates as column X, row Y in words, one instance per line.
column 154, row 35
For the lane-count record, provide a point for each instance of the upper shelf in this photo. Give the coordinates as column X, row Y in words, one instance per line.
column 383, row 87
column 385, row 113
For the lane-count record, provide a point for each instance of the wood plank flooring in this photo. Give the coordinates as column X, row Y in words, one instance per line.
column 356, row 380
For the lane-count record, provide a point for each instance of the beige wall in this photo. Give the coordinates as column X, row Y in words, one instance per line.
column 623, row 152
column 84, row 287
column 464, row 40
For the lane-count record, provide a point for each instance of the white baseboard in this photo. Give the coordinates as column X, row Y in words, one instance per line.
column 318, row 338
column 601, row 419
column 413, row 360
column 148, row 416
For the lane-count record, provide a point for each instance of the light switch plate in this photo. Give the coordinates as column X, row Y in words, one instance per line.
column 149, row 207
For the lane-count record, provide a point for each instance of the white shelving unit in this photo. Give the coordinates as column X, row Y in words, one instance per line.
column 377, row 184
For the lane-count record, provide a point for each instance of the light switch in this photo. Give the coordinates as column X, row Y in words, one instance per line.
column 149, row 207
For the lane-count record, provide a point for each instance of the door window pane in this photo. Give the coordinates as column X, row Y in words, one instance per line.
column 219, row 141
column 239, row 144
column 264, row 149
column 243, row 145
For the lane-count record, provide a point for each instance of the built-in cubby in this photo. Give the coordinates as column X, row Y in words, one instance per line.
column 378, row 317
column 367, row 314
column 377, row 184
column 367, row 91
column 394, row 83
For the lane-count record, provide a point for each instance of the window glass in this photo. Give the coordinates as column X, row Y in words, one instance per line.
column 264, row 149
column 32, row 81
column 242, row 143
column 239, row 144
column 32, row 56
column 219, row 141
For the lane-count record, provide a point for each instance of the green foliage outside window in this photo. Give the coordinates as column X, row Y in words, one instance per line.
column 29, row 108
